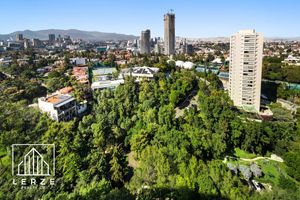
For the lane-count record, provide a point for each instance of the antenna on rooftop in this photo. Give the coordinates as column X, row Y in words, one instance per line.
column 171, row 11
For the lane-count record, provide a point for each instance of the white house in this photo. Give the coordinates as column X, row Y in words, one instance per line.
column 78, row 61
column 217, row 61
column 140, row 72
column 185, row 65
column 61, row 107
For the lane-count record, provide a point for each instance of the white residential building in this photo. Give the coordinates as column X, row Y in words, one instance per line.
column 61, row 106
column 291, row 60
column 140, row 72
column 246, row 50
column 78, row 61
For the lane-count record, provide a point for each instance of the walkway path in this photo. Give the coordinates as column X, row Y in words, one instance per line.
column 273, row 157
column 190, row 100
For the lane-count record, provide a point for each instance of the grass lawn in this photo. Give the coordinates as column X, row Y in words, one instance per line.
column 243, row 154
column 5, row 161
column 272, row 171
column 4, row 157
column 2, row 152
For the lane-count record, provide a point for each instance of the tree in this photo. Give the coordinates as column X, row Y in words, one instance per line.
column 292, row 160
column 117, row 168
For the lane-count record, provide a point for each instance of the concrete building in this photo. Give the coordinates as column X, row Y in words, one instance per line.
column 37, row 43
column 187, row 48
column 19, row 37
column 245, row 68
column 157, row 49
column 51, row 37
column 140, row 72
column 105, row 78
column 145, row 42
column 81, row 74
column 78, row 61
column 61, row 105
column 26, row 43
column 13, row 46
column 169, row 39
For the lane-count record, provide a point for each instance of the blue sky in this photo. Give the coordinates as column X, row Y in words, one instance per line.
column 194, row 18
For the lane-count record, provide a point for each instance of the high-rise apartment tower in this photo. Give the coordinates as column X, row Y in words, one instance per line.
column 51, row 37
column 169, row 39
column 145, row 42
column 245, row 68
column 19, row 37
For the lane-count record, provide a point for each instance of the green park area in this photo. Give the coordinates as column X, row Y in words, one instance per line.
column 274, row 173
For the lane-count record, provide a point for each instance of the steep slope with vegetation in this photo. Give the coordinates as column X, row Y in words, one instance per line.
column 178, row 158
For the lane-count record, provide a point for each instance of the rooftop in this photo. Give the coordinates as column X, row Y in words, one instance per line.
column 81, row 74
column 103, row 71
column 248, row 31
column 58, row 98
column 66, row 90
column 223, row 75
column 107, row 84
column 145, row 70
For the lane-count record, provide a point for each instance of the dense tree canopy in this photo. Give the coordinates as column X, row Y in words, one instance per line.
column 175, row 157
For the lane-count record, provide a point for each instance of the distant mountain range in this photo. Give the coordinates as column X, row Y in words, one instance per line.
column 99, row 36
column 278, row 39
column 85, row 35
column 227, row 39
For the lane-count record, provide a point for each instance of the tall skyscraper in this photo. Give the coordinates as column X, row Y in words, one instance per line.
column 145, row 42
column 19, row 37
column 51, row 37
column 169, row 40
column 245, row 68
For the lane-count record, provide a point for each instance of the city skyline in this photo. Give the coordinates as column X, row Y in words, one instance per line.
column 194, row 20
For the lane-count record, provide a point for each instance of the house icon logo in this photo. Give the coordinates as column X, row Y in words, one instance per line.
column 33, row 159
column 33, row 164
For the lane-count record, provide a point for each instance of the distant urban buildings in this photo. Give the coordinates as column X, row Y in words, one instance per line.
column 51, row 37
column 26, row 43
column 37, row 43
column 245, row 69
column 78, row 61
column 186, row 48
column 169, row 31
column 157, row 49
column 19, row 37
column 145, row 42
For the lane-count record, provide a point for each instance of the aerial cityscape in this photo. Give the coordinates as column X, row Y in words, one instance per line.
column 127, row 100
